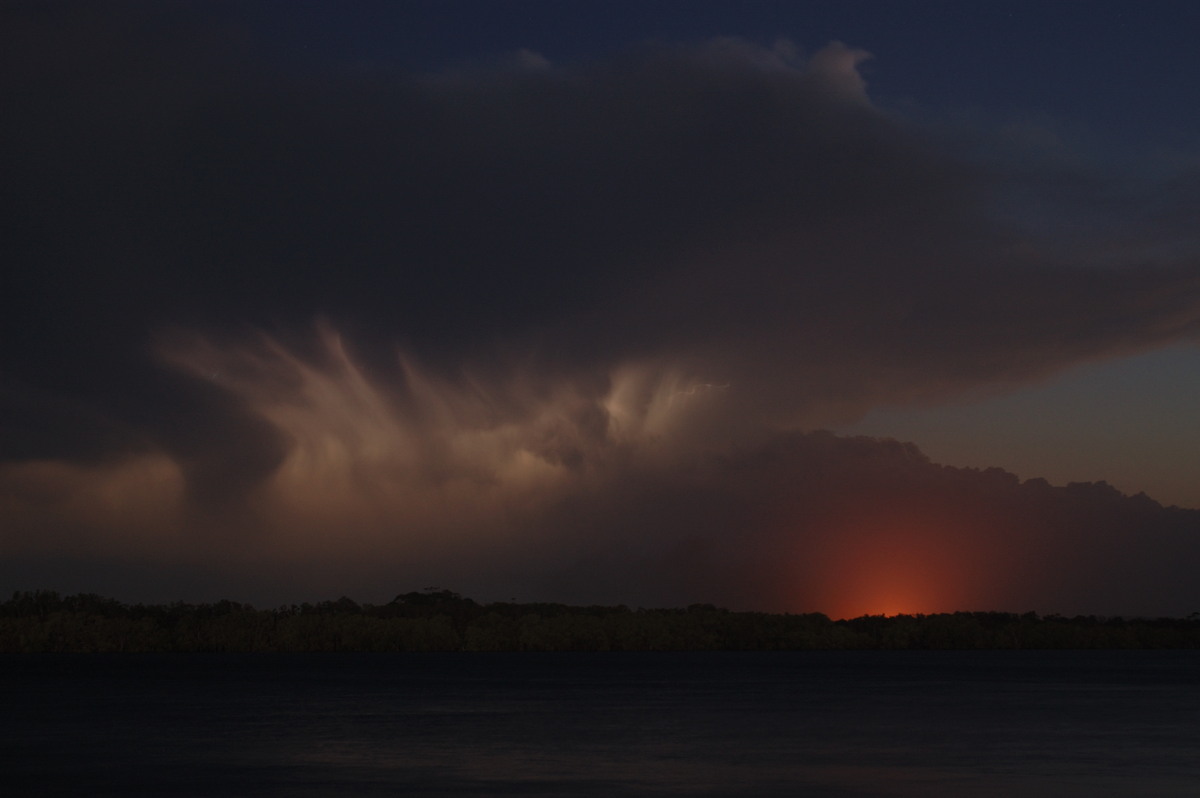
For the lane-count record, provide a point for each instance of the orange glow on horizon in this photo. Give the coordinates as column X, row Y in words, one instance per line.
column 911, row 564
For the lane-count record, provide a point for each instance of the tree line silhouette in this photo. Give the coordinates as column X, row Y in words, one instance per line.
column 442, row 620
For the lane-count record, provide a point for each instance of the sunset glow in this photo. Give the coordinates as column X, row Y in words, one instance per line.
column 904, row 563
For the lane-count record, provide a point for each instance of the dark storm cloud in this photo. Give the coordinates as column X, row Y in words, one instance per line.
column 817, row 520
column 168, row 177
column 593, row 270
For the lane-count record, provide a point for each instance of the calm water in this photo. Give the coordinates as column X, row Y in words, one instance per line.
column 723, row 724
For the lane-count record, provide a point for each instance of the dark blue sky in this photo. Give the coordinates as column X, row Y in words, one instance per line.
column 1127, row 70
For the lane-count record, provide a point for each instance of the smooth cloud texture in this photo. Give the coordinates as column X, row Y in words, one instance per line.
column 573, row 320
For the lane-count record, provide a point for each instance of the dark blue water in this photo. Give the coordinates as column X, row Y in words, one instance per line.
column 722, row 724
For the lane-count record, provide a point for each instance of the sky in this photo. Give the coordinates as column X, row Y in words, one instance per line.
column 853, row 307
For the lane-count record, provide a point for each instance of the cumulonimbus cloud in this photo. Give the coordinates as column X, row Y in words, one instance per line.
column 576, row 325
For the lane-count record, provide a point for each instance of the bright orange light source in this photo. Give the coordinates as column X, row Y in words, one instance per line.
column 896, row 566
